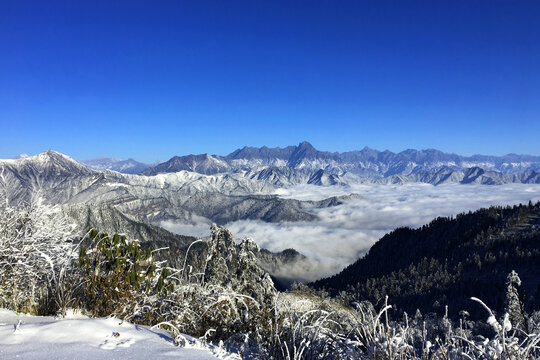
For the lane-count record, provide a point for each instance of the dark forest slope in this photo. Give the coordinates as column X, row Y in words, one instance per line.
column 448, row 261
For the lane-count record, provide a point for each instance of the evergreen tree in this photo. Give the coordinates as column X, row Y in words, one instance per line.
column 513, row 305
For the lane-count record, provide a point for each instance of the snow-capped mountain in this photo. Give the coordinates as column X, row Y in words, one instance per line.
column 56, row 176
column 473, row 175
column 224, row 188
column 240, row 186
column 181, row 196
column 304, row 164
column 128, row 166
column 202, row 164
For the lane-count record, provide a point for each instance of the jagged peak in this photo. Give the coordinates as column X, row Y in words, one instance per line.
column 305, row 145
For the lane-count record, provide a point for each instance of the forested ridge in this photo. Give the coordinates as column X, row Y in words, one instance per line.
column 448, row 261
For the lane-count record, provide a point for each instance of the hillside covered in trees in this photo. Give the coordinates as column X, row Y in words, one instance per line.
column 448, row 261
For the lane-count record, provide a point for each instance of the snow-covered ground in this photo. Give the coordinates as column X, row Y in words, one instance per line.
column 77, row 337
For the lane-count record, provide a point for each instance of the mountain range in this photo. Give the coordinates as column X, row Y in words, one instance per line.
column 303, row 164
column 240, row 186
column 367, row 162
column 205, row 189
column 182, row 196
column 134, row 205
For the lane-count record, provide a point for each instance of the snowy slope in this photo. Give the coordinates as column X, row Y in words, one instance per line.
column 38, row 337
column 128, row 166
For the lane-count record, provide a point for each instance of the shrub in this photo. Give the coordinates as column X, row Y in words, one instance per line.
column 118, row 275
column 36, row 243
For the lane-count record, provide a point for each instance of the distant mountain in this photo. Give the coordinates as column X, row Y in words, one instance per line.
column 128, row 166
column 56, row 176
column 182, row 196
column 202, row 164
column 474, row 175
column 265, row 154
column 238, row 194
column 448, row 261
column 303, row 164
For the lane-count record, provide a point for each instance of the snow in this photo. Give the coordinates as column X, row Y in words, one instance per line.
column 76, row 337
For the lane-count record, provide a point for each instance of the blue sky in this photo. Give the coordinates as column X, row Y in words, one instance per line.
column 150, row 80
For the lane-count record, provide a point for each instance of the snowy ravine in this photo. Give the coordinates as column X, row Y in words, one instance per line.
column 76, row 337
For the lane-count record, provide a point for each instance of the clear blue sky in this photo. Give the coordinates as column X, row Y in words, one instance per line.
column 153, row 79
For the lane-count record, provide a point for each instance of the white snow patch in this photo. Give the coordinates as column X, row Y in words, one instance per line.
column 36, row 337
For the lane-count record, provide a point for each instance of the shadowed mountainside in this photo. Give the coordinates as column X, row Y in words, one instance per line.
column 448, row 261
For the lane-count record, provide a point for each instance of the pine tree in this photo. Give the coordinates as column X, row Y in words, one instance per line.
column 513, row 304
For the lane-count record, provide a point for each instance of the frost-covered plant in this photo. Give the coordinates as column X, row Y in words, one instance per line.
column 438, row 339
column 230, row 305
column 377, row 337
column 313, row 334
column 235, row 266
column 118, row 276
column 230, row 296
column 66, row 284
column 505, row 344
column 513, row 304
column 36, row 242
column 533, row 322
column 210, row 312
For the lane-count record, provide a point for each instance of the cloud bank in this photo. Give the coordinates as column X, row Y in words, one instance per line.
column 343, row 233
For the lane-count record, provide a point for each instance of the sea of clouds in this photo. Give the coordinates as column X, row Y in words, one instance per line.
column 344, row 233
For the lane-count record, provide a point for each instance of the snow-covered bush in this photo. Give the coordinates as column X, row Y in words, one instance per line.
column 507, row 342
column 367, row 334
column 380, row 339
column 229, row 299
column 36, row 246
column 211, row 312
column 313, row 334
column 235, row 266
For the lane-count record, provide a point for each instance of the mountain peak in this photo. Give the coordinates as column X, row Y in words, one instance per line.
column 53, row 155
column 305, row 145
column 48, row 160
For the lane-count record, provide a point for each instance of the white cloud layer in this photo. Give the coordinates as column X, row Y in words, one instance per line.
column 197, row 230
column 343, row 233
